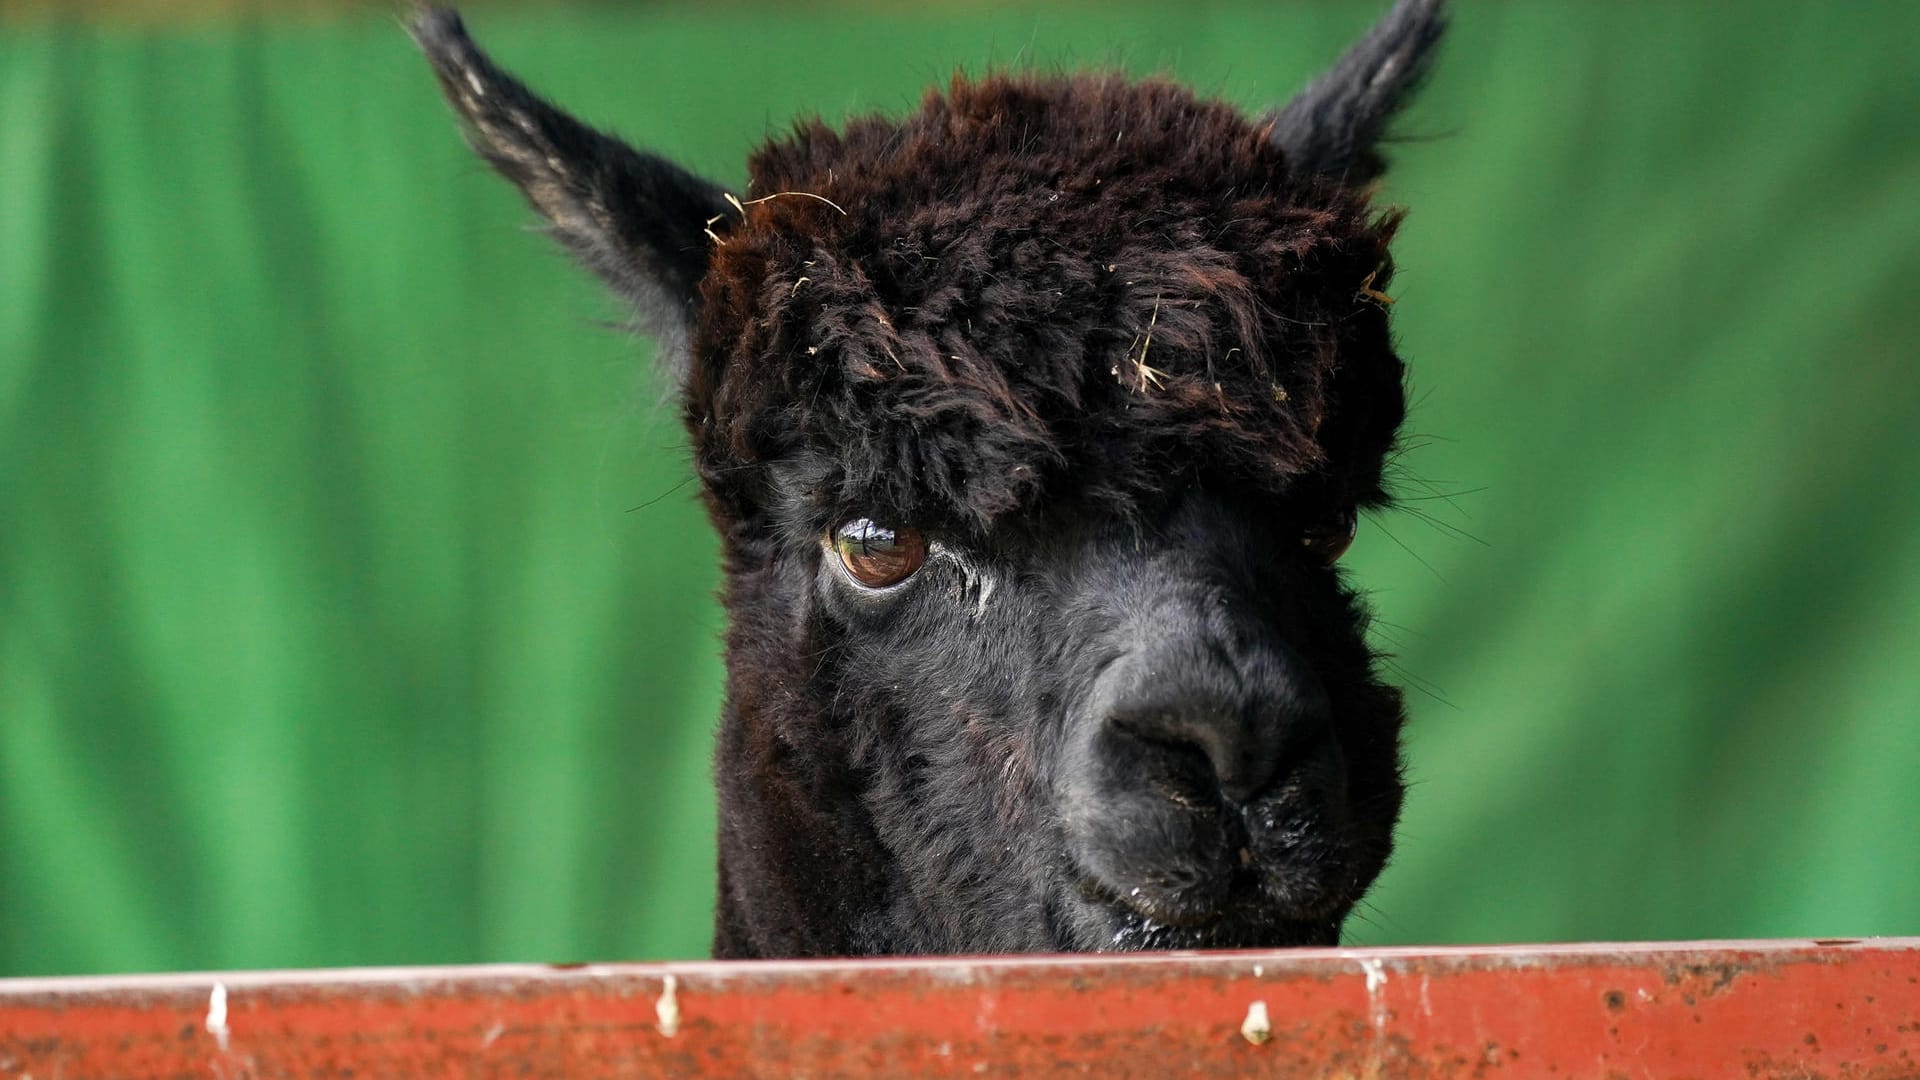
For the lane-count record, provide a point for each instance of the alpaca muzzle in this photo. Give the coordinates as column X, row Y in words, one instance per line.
column 1202, row 783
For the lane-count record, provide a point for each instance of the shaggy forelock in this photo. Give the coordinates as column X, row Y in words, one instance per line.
column 1043, row 287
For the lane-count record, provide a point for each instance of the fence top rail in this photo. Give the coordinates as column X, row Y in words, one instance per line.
column 1840, row 1007
column 1278, row 961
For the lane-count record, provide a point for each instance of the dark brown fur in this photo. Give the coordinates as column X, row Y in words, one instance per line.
column 1131, row 282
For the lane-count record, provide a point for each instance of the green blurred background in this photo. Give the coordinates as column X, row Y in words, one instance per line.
column 355, row 608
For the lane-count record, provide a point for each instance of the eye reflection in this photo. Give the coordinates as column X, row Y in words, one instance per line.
column 877, row 555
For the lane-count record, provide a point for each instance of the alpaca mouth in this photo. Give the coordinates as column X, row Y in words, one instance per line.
column 1283, row 870
column 1246, row 918
column 1136, row 933
column 1252, row 905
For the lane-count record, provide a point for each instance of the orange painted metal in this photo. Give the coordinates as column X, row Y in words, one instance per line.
column 1708, row 1009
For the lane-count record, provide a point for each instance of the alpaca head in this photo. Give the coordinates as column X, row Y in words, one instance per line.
column 1033, row 425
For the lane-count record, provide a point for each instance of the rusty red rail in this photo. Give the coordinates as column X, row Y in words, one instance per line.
column 1710, row 1009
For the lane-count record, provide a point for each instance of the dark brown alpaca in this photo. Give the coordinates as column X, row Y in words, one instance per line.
column 1032, row 425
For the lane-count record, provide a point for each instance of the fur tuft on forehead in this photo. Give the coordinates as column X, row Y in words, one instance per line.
column 1040, row 288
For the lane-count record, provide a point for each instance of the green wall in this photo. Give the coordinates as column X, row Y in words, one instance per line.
column 354, row 608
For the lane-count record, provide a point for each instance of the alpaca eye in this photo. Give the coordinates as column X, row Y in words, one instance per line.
column 1331, row 538
column 877, row 555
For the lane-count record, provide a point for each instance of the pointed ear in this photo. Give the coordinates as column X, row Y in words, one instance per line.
column 637, row 220
column 1332, row 127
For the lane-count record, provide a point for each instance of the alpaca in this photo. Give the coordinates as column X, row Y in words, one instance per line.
column 1032, row 425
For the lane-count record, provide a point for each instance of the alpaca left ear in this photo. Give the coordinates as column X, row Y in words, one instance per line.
column 637, row 220
column 1333, row 126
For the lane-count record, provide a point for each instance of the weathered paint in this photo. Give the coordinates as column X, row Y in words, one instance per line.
column 1711, row 1009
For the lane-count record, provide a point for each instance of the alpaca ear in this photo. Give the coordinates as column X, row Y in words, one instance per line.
column 637, row 220
column 1331, row 128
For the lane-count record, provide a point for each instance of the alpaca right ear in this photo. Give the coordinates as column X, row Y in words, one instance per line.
column 1333, row 127
column 638, row 220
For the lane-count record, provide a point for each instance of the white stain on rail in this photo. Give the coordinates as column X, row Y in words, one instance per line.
column 1257, row 1028
column 667, row 1009
column 217, row 1016
column 1376, row 972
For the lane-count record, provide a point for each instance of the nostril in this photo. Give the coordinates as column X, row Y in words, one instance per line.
column 1206, row 754
column 1203, row 719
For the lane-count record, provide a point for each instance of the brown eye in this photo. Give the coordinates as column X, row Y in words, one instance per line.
column 1331, row 538
column 877, row 555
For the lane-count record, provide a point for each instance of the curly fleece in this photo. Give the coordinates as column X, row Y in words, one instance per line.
column 1039, row 288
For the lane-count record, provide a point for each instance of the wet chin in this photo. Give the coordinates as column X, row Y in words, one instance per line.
column 1099, row 925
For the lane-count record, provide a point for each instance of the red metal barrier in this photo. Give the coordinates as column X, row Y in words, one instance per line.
column 1711, row 1009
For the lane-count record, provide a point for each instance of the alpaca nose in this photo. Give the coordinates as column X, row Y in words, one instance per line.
column 1205, row 720
column 1205, row 746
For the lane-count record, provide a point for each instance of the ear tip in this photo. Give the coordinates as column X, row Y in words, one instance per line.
column 437, row 30
column 456, row 59
column 1423, row 10
column 1431, row 17
column 1332, row 126
column 1414, row 26
column 1425, row 25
